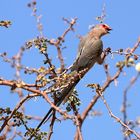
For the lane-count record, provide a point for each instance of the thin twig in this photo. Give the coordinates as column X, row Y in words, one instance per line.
column 117, row 118
column 15, row 110
column 60, row 39
column 124, row 107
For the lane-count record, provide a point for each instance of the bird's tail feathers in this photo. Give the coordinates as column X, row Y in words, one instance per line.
column 64, row 94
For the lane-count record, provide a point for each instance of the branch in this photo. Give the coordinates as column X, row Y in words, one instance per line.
column 124, row 106
column 36, row 92
column 60, row 39
column 15, row 110
column 129, row 130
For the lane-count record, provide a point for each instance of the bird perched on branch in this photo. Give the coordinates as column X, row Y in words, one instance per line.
column 90, row 48
column 89, row 52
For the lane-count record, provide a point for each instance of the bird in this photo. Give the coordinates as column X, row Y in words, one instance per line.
column 90, row 51
column 90, row 48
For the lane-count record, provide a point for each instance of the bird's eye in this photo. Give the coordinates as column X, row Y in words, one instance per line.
column 104, row 25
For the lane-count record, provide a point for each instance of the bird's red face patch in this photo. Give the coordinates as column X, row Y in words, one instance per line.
column 106, row 27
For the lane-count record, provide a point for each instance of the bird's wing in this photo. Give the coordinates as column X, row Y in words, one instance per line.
column 92, row 50
column 80, row 50
column 89, row 50
column 81, row 46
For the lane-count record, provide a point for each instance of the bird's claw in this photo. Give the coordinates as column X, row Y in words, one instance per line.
column 107, row 51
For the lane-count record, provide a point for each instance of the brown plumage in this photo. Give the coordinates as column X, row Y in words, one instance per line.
column 90, row 48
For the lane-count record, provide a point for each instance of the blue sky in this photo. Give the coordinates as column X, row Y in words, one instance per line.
column 122, row 16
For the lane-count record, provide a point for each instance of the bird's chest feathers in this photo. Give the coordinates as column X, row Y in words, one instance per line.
column 93, row 47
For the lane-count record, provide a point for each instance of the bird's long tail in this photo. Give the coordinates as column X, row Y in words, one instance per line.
column 63, row 96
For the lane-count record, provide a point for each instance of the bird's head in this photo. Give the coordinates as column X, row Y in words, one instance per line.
column 100, row 29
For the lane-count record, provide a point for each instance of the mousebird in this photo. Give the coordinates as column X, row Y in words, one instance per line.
column 89, row 52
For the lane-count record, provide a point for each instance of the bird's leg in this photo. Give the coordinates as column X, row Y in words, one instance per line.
column 101, row 58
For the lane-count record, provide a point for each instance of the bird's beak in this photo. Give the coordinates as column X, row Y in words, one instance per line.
column 108, row 30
